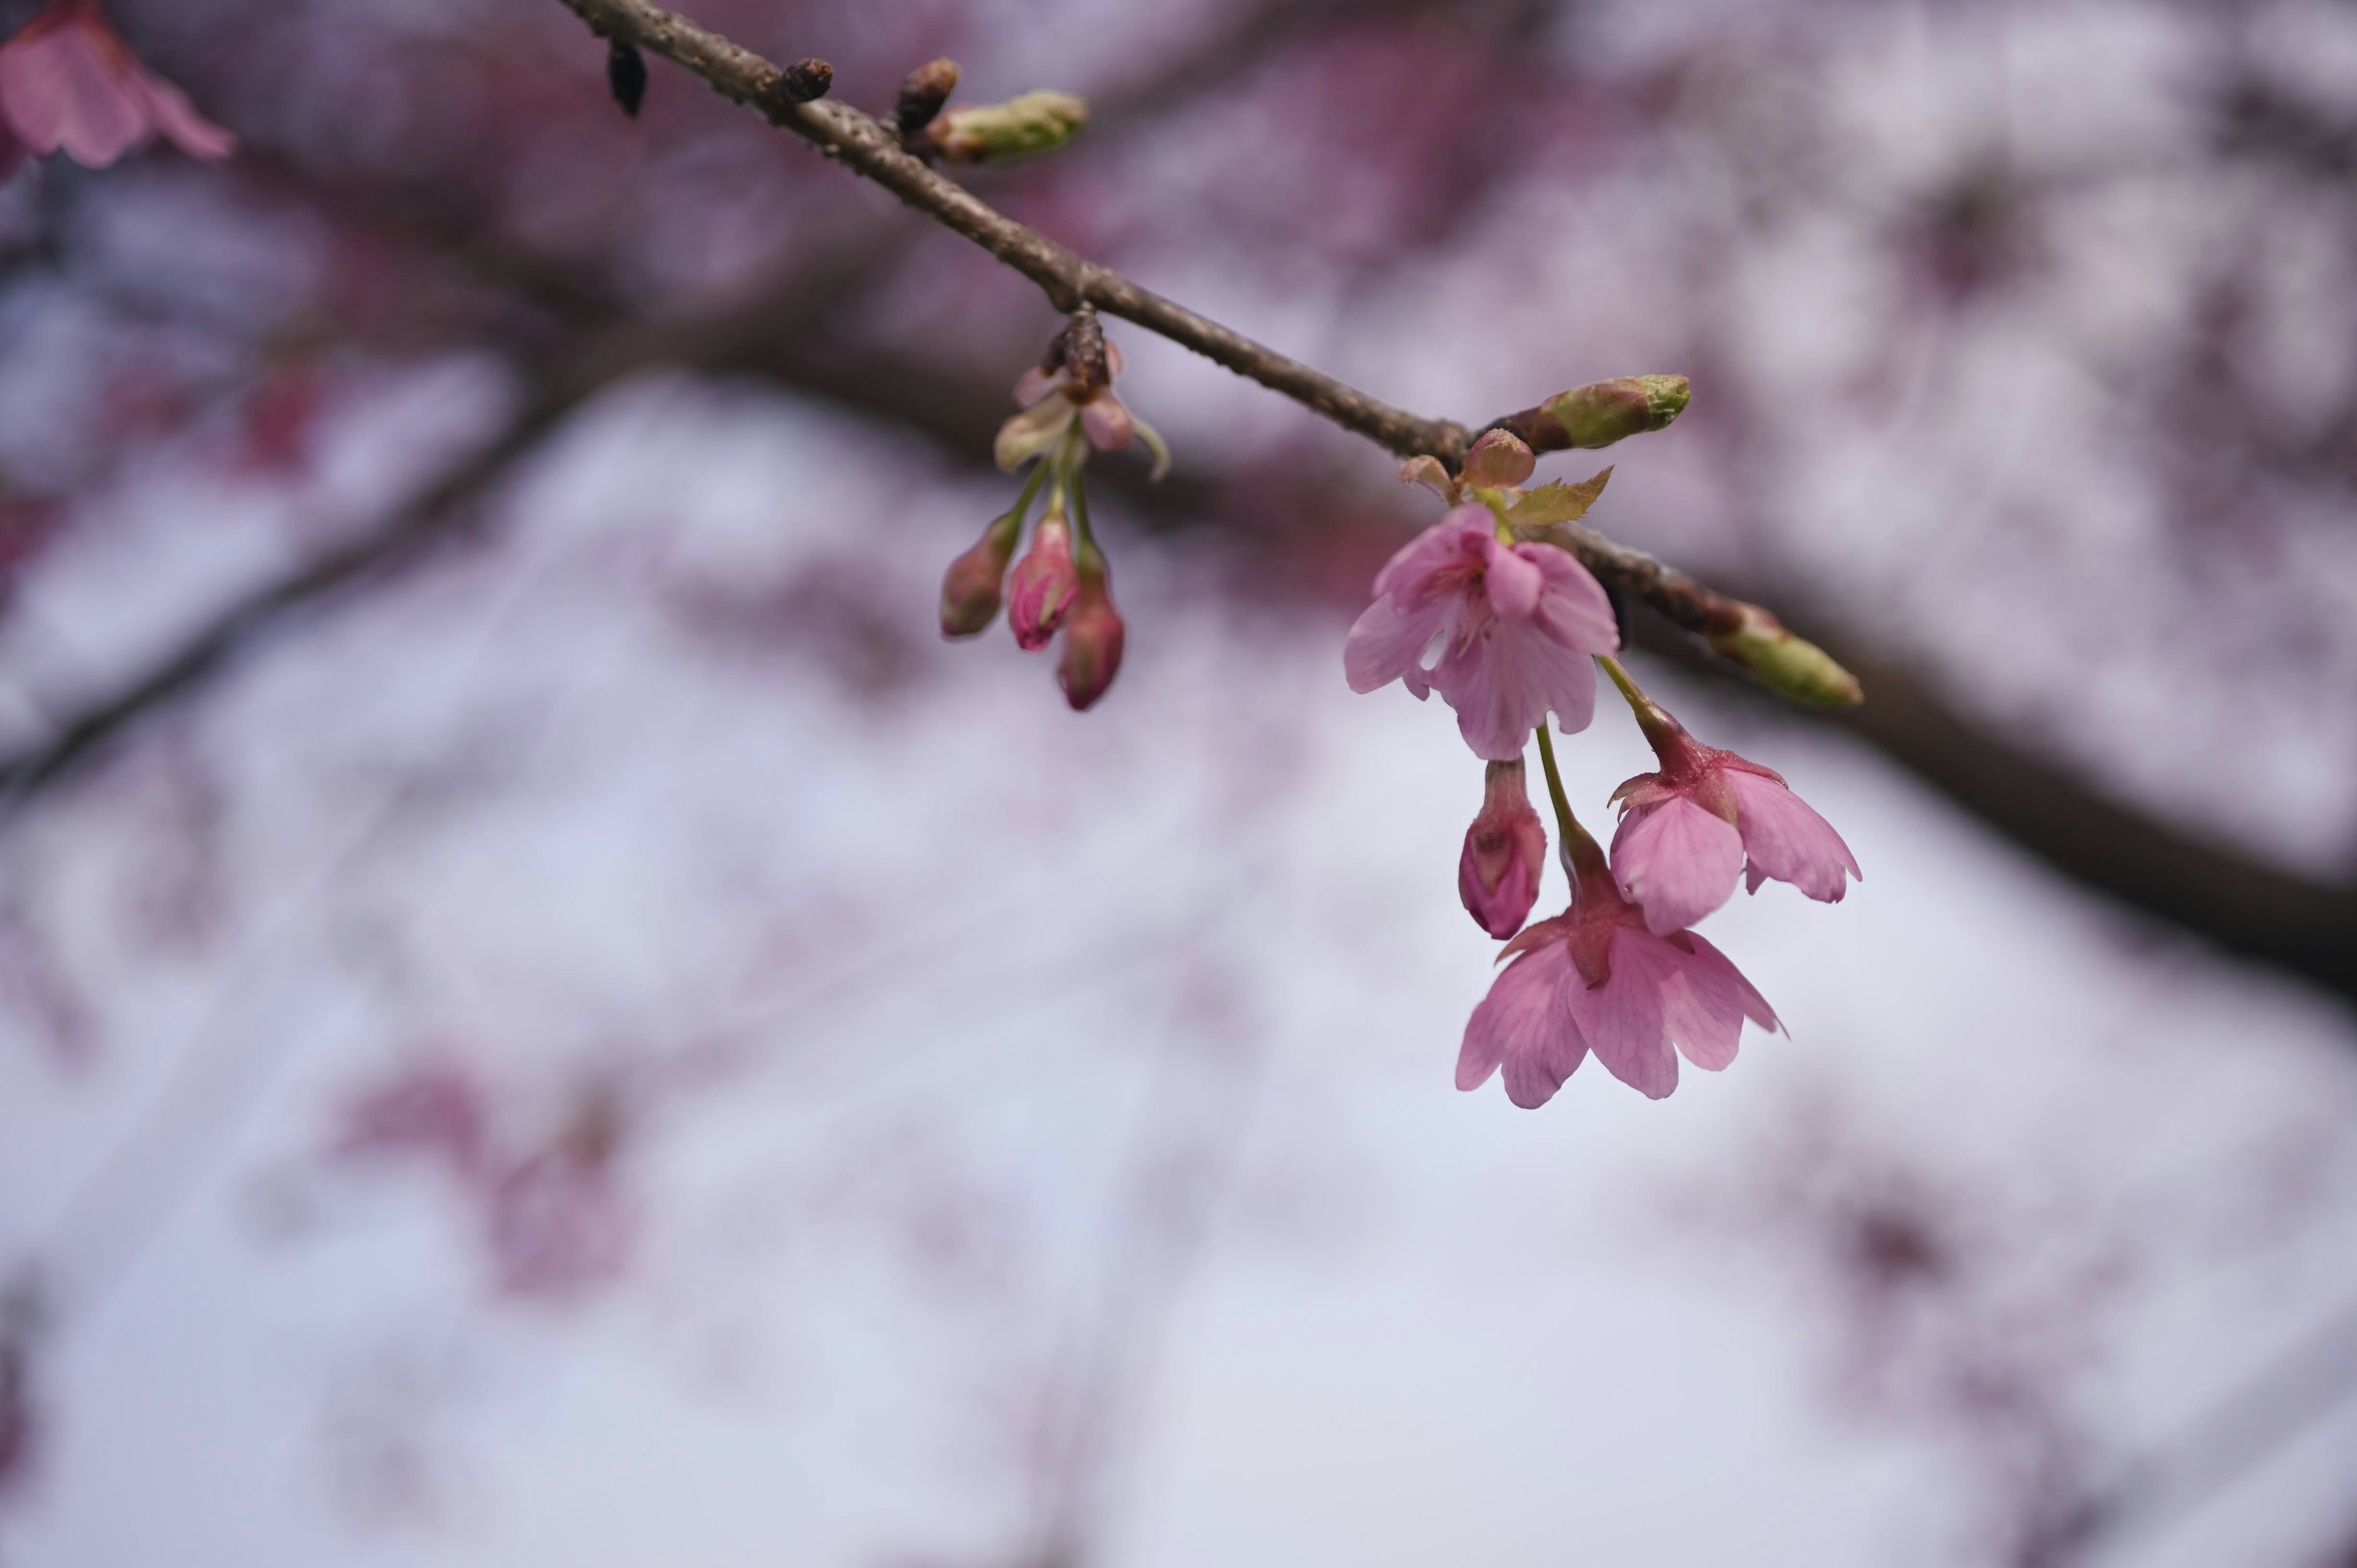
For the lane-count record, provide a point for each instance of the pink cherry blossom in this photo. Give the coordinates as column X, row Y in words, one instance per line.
column 1687, row 831
column 1497, row 873
column 1596, row 978
column 68, row 81
column 1040, row 590
column 1516, row 625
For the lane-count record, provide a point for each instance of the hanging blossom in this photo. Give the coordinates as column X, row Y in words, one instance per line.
column 1597, row 977
column 1708, row 816
column 1063, row 583
column 68, row 81
column 1515, row 623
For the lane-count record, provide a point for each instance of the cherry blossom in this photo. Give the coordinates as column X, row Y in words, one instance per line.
column 1597, row 978
column 68, row 81
column 1708, row 816
column 1498, row 873
column 1516, row 625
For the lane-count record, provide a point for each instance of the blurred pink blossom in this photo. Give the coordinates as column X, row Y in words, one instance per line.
column 1687, row 830
column 1497, row 873
column 1517, row 624
column 1596, row 978
column 68, row 81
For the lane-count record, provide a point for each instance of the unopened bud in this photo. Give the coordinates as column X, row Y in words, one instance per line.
column 1092, row 638
column 922, row 93
column 1500, row 458
column 970, row 588
column 1601, row 413
column 1497, row 873
column 1794, row 666
column 1041, row 592
column 626, row 75
column 1020, row 128
column 806, row 80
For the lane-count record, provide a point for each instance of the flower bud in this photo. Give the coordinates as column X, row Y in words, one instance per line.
column 1021, row 127
column 1500, row 459
column 922, row 93
column 1041, row 592
column 1497, row 873
column 970, row 587
column 1092, row 638
column 1601, row 413
column 626, row 75
column 1797, row 668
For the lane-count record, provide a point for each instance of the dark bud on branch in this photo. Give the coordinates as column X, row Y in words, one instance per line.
column 922, row 93
column 626, row 74
column 1079, row 352
column 804, row 81
column 1600, row 413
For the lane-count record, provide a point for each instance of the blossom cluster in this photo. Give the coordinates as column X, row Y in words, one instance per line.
column 1063, row 583
column 1510, row 630
column 69, row 84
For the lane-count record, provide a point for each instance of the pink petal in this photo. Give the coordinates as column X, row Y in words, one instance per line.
column 1573, row 608
column 1502, row 677
column 169, row 110
column 1032, row 386
column 1113, row 357
column 1452, row 544
column 1623, row 1018
column 1511, row 581
column 64, row 88
column 1107, row 423
column 1387, row 643
column 1787, row 840
column 1705, row 1010
column 1678, row 861
column 1524, row 1023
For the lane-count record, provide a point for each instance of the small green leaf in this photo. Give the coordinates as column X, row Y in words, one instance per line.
column 1557, row 502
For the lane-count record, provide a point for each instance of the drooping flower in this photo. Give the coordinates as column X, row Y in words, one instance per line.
column 1708, row 816
column 1074, row 383
column 1093, row 636
column 68, row 81
column 1040, row 590
column 1498, row 873
column 1596, row 978
column 1515, row 623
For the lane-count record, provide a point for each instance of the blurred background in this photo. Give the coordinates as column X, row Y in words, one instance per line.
column 546, row 1017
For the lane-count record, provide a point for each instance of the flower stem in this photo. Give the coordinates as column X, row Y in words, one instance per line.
column 1660, row 730
column 1580, row 853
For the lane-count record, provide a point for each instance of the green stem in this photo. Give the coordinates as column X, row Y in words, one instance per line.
column 1579, row 852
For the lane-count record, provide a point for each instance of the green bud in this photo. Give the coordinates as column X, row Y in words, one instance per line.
column 1792, row 665
column 1020, row 128
column 1601, row 413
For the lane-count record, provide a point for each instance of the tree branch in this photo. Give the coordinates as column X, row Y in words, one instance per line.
column 867, row 148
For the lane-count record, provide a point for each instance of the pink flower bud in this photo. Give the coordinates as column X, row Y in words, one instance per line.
column 970, row 588
column 1041, row 592
column 1498, row 874
column 1092, row 638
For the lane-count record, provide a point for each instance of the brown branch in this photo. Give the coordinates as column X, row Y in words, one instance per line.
column 865, row 146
